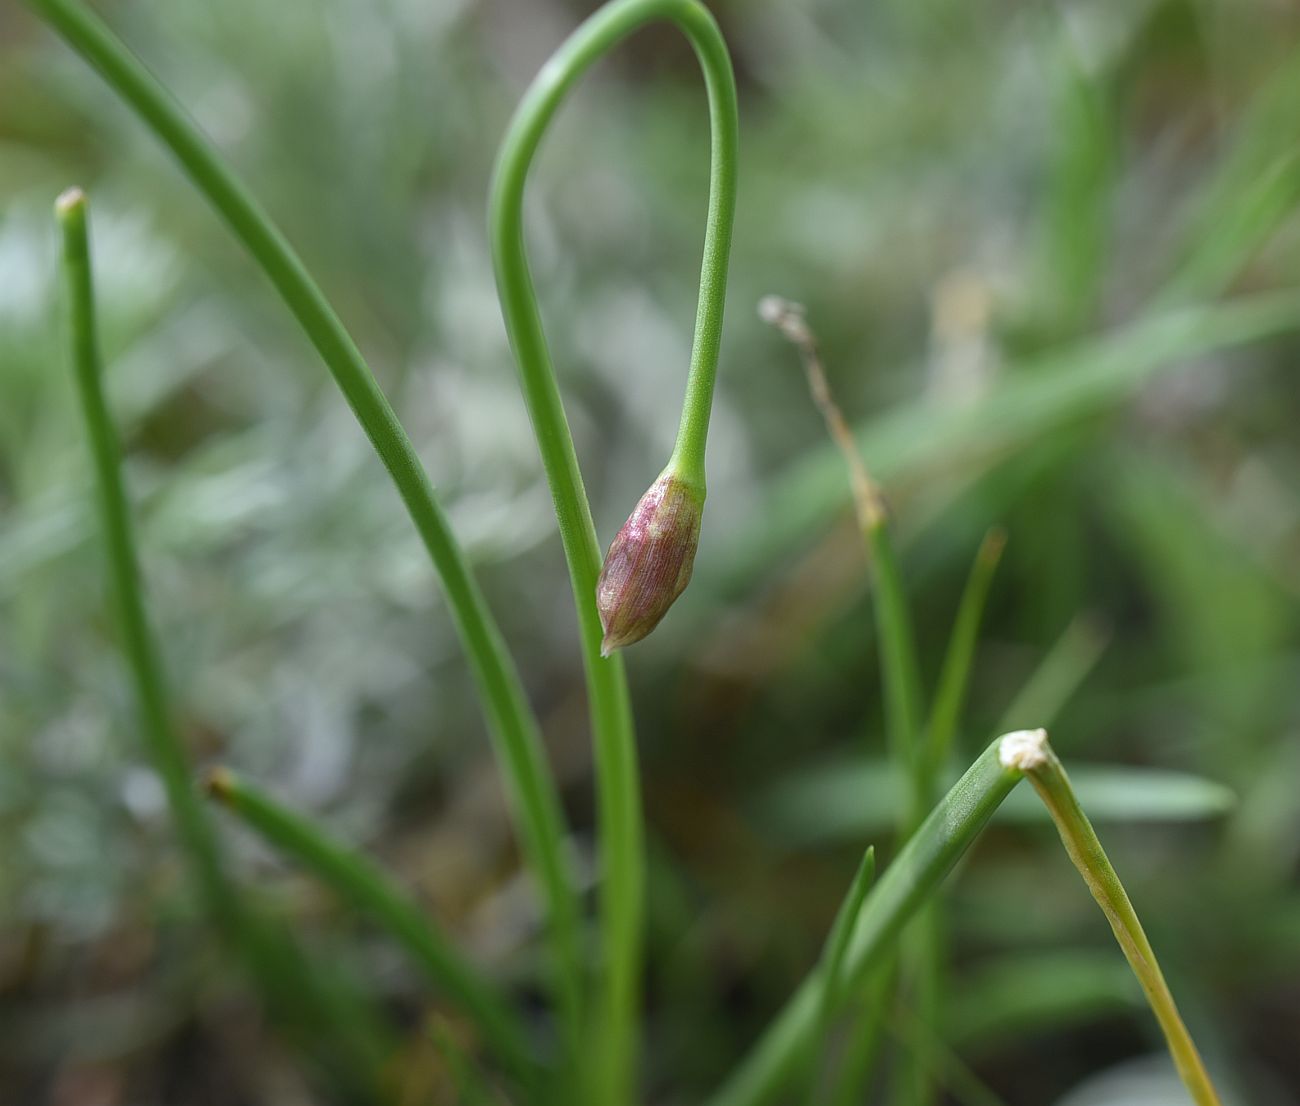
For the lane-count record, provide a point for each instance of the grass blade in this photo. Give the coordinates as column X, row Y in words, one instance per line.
column 954, row 677
column 907, row 884
column 367, row 888
column 837, row 944
column 902, row 681
column 304, row 1001
column 832, row 959
column 866, row 1037
column 164, row 746
column 511, row 722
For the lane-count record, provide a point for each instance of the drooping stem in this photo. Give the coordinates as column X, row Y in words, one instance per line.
column 1030, row 753
column 511, row 722
column 618, row 792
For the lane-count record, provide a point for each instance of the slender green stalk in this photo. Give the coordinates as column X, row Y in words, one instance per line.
column 954, row 677
column 366, row 887
column 164, row 746
column 832, row 958
column 902, row 682
column 512, row 724
column 837, row 944
column 909, row 882
column 925, row 946
column 622, row 860
column 921, row 967
column 866, row 1036
column 922, row 981
column 919, row 978
column 269, row 951
column 1030, row 753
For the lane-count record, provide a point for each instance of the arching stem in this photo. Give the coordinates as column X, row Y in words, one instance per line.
column 622, row 861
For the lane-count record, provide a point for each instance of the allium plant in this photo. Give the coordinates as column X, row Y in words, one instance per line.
column 595, row 1007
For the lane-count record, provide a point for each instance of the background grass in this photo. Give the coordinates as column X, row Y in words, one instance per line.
column 988, row 209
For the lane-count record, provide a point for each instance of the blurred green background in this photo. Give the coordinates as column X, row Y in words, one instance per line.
column 1052, row 254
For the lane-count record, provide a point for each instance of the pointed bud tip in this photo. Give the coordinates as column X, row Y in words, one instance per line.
column 649, row 561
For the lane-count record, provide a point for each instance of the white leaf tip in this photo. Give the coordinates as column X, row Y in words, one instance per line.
column 1023, row 750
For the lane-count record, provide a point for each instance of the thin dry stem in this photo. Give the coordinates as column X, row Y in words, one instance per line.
column 791, row 320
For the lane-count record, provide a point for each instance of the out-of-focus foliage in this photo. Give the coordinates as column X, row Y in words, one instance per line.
column 989, row 209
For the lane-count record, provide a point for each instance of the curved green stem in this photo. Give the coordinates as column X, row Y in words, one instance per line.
column 618, row 789
column 512, row 724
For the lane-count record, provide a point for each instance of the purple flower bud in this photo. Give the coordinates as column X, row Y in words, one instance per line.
column 649, row 562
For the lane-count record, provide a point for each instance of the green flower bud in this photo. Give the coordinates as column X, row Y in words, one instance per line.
column 649, row 561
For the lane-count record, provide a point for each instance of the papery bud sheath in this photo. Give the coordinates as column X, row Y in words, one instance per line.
column 649, row 561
